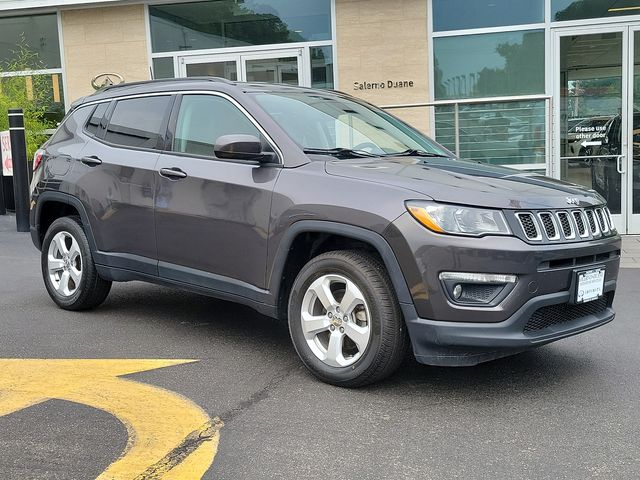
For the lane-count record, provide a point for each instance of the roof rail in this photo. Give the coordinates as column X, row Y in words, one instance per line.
column 163, row 80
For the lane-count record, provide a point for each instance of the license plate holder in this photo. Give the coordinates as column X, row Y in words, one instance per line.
column 589, row 284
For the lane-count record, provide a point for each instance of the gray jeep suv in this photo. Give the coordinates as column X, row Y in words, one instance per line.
column 319, row 208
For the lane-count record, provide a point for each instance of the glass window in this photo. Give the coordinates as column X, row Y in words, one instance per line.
column 94, row 122
column 229, row 23
column 509, row 133
column 163, row 68
column 321, row 67
column 493, row 64
column 461, row 14
column 317, row 121
column 578, row 9
column 44, row 92
column 205, row 118
column 39, row 34
column 138, row 122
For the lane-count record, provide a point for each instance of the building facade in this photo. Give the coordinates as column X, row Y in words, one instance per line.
column 539, row 85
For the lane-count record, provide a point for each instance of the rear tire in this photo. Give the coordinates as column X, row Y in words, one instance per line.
column 345, row 321
column 68, row 271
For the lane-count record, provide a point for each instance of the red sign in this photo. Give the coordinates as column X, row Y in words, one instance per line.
column 5, row 147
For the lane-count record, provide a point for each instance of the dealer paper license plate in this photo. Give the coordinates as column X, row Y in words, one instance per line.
column 590, row 285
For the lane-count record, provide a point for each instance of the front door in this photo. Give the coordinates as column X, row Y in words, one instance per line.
column 595, row 117
column 277, row 66
column 212, row 215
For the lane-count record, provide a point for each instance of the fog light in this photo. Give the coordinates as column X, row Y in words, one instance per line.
column 485, row 289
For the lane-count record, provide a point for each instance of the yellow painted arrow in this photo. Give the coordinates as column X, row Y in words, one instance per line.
column 170, row 437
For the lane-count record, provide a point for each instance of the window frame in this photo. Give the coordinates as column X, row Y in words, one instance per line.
column 173, row 122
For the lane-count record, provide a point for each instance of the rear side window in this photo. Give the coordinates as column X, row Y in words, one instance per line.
column 138, row 122
column 96, row 118
column 205, row 118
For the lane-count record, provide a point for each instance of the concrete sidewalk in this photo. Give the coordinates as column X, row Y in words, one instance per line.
column 630, row 251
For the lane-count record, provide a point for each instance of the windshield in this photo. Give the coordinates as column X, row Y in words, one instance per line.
column 318, row 121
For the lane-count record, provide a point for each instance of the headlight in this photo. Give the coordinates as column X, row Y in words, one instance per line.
column 458, row 219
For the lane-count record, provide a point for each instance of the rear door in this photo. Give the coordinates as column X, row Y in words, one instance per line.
column 212, row 217
column 115, row 179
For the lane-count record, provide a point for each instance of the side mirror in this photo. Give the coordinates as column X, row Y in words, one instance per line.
column 242, row 147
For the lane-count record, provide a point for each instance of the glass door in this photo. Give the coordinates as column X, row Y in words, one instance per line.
column 591, row 114
column 283, row 66
column 224, row 66
column 277, row 66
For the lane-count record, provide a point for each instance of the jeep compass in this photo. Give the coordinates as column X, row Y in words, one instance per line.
column 312, row 206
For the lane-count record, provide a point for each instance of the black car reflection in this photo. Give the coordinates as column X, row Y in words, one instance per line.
column 602, row 150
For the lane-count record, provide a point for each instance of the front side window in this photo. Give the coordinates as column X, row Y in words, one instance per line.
column 138, row 122
column 203, row 119
column 324, row 122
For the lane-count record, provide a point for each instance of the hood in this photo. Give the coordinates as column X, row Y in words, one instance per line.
column 467, row 183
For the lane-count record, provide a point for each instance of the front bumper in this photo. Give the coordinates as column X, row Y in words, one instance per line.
column 444, row 333
column 469, row 343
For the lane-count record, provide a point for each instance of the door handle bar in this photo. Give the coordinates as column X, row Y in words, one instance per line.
column 172, row 173
column 619, row 164
column 91, row 161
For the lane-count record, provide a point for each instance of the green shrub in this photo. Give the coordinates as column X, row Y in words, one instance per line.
column 32, row 93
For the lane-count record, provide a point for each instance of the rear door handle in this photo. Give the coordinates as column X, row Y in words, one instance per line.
column 172, row 173
column 91, row 161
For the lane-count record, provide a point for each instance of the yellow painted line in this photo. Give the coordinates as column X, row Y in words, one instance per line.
column 170, row 437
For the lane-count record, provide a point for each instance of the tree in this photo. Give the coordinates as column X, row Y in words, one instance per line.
column 32, row 93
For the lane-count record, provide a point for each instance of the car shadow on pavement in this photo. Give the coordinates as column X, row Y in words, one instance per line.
column 207, row 321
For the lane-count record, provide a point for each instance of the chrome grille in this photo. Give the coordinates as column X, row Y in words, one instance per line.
column 549, row 226
column 561, row 225
column 595, row 229
column 529, row 226
column 578, row 217
column 566, row 225
column 604, row 225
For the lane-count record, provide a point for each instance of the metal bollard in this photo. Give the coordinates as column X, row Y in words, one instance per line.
column 20, row 168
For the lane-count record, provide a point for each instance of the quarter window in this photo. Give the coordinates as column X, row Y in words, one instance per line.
column 93, row 125
column 205, row 118
column 138, row 122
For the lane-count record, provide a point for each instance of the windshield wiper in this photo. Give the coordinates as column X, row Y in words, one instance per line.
column 415, row 153
column 340, row 152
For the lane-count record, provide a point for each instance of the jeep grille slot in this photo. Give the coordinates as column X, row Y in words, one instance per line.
column 595, row 230
column 604, row 225
column 529, row 226
column 549, row 226
column 566, row 225
column 578, row 216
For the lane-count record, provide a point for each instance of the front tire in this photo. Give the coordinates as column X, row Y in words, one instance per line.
column 68, row 271
column 344, row 319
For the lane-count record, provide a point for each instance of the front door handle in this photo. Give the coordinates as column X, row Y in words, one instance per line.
column 172, row 173
column 619, row 165
column 91, row 161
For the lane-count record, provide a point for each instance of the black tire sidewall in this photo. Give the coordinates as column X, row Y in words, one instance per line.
column 336, row 265
column 71, row 226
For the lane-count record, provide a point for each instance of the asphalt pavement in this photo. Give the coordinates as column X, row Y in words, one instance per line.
column 569, row 410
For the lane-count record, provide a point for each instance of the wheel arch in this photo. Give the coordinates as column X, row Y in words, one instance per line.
column 320, row 235
column 53, row 205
